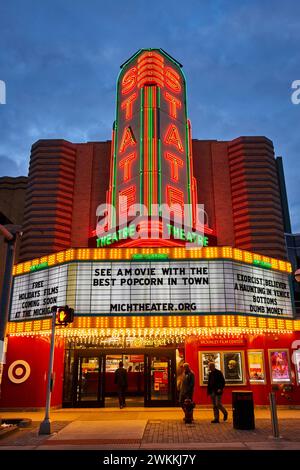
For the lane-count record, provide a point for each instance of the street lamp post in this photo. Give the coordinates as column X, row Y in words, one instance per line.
column 10, row 233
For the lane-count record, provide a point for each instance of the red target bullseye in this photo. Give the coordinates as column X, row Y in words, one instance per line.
column 19, row 371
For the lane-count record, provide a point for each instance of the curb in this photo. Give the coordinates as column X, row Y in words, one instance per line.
column 7, row 431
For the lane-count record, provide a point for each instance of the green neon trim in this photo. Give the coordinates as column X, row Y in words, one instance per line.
column 114, row 189
column 141, row 146
column 150, row 256
column 262, row 264
column 128, row 61
column 116, row 131
column 150, row 143
column 159, row 151
column 38, row 267
column 159, row 176
column 178, row 65
column 188, row 150
column 188, row 169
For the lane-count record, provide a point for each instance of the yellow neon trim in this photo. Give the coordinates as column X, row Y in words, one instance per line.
column 173, row 253
column 228, row 322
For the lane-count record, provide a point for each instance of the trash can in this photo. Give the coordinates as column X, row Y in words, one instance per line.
column 243, row 410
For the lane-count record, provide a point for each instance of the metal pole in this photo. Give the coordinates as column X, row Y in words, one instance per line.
column 45, row 426
column 5, row 299
column 274, row 417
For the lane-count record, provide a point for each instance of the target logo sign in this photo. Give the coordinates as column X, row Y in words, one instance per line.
column 19, row 371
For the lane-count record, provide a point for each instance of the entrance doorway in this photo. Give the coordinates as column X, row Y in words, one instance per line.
column 134, row 364
column 151, row 375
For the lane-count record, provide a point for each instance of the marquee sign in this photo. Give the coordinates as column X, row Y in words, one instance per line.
column 158, row 287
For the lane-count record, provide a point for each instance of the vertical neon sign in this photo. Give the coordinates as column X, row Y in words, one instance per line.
column 151, row 160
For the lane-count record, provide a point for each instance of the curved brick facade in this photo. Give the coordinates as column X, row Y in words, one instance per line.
column 49, row 198
column 257, row 211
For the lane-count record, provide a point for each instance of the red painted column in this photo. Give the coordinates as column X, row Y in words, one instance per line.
column 25, row 372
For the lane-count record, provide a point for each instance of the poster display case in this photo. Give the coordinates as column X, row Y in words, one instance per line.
column 256, row 366
column 231, row 363
column 233, row 367
column 206, row 358
column 296, row 361
column 280, row 367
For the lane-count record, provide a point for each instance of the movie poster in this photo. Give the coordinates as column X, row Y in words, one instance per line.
column 206, row 358
column 296, row 361
column 256, row 367
column 279, row 366
column 233, row 370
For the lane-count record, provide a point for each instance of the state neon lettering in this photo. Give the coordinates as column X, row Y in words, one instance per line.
column 128, row 105
column 126, row 199
column 129, row 80
column 126, row 163
column 175, row 200
column 172, row 137
column 175, row 162
column 127, row 140
column 174, row 103
column 172, row 80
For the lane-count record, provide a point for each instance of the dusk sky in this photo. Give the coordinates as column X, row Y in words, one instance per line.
column 60, row 60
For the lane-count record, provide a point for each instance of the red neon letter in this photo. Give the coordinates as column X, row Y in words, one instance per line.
column 172, row 137
column 175, row 163
column 175, row 200
column 127, row 139
column 174, row 103
column 172, row 79
column 129, row 81
column 126, row 199
column 126, row 163
column 128, row 105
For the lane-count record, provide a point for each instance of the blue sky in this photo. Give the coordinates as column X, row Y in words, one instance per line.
column 60, row 61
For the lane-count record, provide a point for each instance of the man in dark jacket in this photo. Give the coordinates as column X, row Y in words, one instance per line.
column 187, row 384
column 121, row 382
column 215, row 386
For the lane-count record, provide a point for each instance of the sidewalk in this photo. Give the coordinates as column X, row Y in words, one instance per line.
column 151, row 428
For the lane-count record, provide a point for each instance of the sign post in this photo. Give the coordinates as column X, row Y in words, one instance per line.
column 274, row 417
column 45, row 426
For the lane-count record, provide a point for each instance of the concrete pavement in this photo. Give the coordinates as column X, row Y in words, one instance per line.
column 151, row 428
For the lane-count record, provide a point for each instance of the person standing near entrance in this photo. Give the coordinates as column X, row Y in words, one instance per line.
column 215, row 387
column 187, row 384
column 121, row 382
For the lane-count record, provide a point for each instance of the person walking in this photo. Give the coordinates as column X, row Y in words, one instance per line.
column 215, row 386
column 121, row 382
column 187, row 384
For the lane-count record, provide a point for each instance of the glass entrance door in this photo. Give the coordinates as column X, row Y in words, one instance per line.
column 160, row 379
column 151, row 376
column 90, row 381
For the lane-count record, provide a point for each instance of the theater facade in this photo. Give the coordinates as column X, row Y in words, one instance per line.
column 169, row 249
